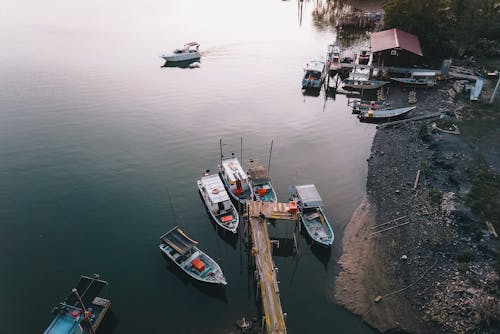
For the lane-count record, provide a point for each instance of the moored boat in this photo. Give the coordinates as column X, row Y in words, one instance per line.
column 333, row 56
column 380, row 115
column 362, row 82
column 235, row 180
column 261, row 184
column 314, row 75
column 83, row 310
column 182, row 250
column 359, row 106
column 364, row 57
column 218, row 203
column 312, row 216
column 188, row 52
column 418, row 79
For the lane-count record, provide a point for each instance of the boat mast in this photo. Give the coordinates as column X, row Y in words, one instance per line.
column 269, row 163
column 241, row 149
column 221, row 156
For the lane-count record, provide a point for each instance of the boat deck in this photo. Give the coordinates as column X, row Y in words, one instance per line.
column 273, row 210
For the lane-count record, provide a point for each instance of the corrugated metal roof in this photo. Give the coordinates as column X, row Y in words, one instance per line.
column 395, row 38
column 309, row 195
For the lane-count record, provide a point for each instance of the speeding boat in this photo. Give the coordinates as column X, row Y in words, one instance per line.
column 188, row 52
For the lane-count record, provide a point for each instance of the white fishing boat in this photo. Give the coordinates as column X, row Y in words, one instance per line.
column 314, row 75
column 261, row 183
column 188, row 52
column 182, row 250
column 333, row 56
column 361, row 81
column 364, row 57
column 218, row 203
column 382, row 115
column 312, row 216
column 418, row 79
column 235, row 180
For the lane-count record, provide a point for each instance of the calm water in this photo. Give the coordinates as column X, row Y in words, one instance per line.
column 100, row 149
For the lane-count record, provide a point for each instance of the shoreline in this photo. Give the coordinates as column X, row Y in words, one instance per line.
column 434, row 274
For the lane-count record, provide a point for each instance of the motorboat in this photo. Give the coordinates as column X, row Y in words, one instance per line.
column 333, row 56
column 418, row 79
column 261, row 184
column 360, row 105
column 312, row 215
column 83, row 310
column 235, row 180
column 314, row 75
column 382, row 115
column 188, row 52
column 182, row 250
column 361, row 81
column 218, row 203
column 364, row 57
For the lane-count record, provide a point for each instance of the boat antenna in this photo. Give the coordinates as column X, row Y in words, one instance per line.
column 241, row 149
column 221, row 156
column 269, row 162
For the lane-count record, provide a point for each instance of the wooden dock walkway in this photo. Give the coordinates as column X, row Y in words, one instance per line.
column 258, row 213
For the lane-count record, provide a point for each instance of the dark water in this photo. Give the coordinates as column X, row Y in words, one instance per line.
column 100, row 149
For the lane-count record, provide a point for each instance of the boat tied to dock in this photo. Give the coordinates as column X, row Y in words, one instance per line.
column 182, row 250
column 261, row 184
column 314, row 75
column 235, row 180
column 312, row 215
column 218, row 203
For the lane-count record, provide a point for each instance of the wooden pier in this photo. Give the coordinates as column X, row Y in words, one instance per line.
column 261, row 251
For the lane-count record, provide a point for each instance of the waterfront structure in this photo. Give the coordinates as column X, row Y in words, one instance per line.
column 395, row 47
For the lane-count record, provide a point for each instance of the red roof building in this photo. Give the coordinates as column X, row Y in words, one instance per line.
column 395, row 47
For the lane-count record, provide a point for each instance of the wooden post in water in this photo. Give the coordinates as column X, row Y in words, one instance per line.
column 495, row 91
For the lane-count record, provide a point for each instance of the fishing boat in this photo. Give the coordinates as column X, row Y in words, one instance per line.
column 182, row 250
column 364, row 57
column 235, row 180
column 360, row 105
column 83, row 310
column 261, row 184
column 218, row 203
column 188, row 52
column 418, row 79
column 312, row 216
column 361, row 81
column 333, row 56
column 381, row 115
column 314, row 75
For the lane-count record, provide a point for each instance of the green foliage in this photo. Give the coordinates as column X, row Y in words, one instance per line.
column 447, row 27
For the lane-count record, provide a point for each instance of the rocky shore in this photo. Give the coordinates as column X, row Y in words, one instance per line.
column 431, row 267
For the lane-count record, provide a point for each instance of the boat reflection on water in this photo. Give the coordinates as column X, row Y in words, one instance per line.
column 311, row 92
column 192, row 63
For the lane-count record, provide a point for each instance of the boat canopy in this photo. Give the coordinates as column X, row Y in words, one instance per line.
column 315, row 66
column 88, row 288
column 309, row 195
column 178, row 240
column 259, row 174
column 233, row 170
column 423, row 74
column 214, row 188
column 192, row 44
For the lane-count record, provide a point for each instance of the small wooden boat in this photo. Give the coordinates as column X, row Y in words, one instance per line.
column 418, row 79
column 359, row 106
column 261, row 184
column 218, row 203
column 381, row 115
column 182, row 250
column 83, row 310
column 235, row 180
column 362, row 82
column 188, row 52
column 314, row 75
column 312, row 216
column 364, row 57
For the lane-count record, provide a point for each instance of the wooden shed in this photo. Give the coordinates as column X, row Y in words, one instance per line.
column 395, row 47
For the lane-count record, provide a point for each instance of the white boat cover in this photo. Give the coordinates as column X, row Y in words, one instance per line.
column 309, row 195
column 233, row 170
column 214, row 188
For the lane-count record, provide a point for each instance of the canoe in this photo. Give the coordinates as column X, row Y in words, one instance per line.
column 182, row 250
column 379, row 115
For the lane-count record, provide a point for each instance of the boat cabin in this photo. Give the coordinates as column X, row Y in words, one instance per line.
column 235, row 175
column 364, row 56
column 259, row 175
column 218, row 199
column 308, row 196
column 314, row 70
column 191, row 47
column 179, row 241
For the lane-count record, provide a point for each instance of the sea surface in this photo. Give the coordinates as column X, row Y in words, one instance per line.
column 101, row 147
